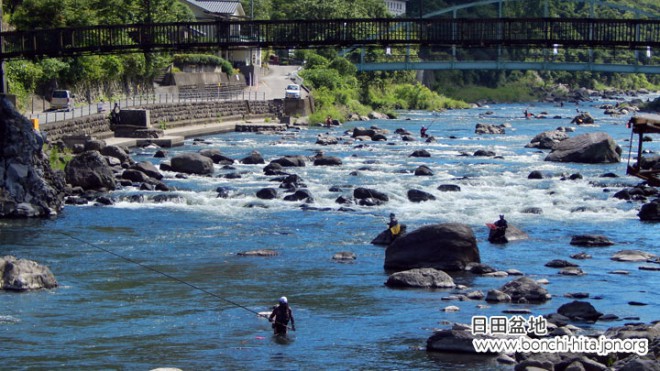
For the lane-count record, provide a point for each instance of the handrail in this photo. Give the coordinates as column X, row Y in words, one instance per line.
column 229, row 34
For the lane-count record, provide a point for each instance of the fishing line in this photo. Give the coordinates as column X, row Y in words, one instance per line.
column 159, row 272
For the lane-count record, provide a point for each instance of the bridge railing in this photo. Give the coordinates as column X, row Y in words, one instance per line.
column 464, row 32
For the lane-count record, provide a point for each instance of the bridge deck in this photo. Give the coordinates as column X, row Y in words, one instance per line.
column 545, row 32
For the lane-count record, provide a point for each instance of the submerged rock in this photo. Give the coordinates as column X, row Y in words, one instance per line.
column 632, row 256
column 591, row 240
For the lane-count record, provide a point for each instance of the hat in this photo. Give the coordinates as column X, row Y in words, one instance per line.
column 392, row 215
column 283, row 300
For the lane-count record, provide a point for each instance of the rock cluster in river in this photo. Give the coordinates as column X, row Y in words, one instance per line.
column 28, row 185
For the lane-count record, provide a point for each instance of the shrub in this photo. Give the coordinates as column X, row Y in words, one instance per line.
column 180, row 60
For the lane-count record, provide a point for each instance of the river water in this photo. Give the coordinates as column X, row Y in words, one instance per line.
column 111, row 313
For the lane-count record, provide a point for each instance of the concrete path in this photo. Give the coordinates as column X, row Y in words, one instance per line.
column 176, row 136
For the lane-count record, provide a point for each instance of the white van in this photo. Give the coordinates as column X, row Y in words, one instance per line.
column 62, row 99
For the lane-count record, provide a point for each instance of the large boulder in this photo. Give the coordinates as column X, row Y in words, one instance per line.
column 512, row 233
column 254, row 158
column 385, row 237
column 216, row 156
column 448, row 246
column 525, row 290
column 28, row 185
column 590, row 148
column 90, row 171
column 416, row 195
column 547, row 139
column 421, row 277
column 489, row 129
column 149, row 169
column 361, row 193
column 327, row 161
column 458, row 339
column 22, row 275
column 117, row 152
column 580, row 311
column 362, row 132
column 290, row 161
column 650, row 211
column 192, row 163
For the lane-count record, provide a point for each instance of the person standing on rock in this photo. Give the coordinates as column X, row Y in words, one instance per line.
column 394, row 226
column 282, row 314
column 498, row 233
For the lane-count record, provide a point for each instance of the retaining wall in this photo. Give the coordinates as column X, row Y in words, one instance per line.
column 166, row 116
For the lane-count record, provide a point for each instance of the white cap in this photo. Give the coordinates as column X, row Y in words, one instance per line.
column 283, row 300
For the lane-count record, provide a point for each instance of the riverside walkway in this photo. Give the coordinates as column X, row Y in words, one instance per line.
column 176, row 136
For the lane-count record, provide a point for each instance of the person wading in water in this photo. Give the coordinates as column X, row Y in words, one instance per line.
column 282, row 314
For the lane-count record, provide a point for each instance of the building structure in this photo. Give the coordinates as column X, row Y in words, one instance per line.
column 396, row 7
column 211, row 10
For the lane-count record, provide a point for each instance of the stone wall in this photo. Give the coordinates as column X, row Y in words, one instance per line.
column 168, row 116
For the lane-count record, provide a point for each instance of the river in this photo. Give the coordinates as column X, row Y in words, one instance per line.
column 111, row 313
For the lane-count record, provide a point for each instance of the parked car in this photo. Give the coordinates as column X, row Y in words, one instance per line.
column 292, row 91
column 62, row 99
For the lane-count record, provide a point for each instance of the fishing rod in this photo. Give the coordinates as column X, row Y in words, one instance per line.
column 161, row 273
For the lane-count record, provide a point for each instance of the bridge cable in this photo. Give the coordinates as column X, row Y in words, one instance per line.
column 159, row 272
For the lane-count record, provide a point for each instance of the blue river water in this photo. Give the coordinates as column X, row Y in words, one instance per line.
column 111, row 313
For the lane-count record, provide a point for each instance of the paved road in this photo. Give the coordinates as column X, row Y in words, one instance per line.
column 272, row 83
column 274, row 79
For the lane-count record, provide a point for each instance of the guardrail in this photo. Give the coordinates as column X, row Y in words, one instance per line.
column 139, row 101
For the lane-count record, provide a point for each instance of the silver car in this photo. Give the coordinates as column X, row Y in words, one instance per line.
column 62, row 99
column 292, row 91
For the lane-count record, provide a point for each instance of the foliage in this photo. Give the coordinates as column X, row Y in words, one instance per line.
column 58, row 158
column 313, row 60
column 411, row 96
column 203, row 59
column 327, row 9
column 343, row 66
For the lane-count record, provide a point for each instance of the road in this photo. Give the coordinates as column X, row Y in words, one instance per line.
column 271, row 85
column 275, row 78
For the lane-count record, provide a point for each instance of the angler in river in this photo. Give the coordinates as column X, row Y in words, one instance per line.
column 281, row 315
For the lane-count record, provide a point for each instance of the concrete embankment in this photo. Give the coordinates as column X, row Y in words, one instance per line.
column 177, row 121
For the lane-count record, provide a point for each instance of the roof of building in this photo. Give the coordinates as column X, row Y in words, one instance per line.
column 216, row 6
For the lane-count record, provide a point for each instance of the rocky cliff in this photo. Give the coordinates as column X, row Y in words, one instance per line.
column 28, row 185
